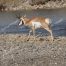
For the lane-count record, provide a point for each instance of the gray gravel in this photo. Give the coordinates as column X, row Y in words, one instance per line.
column 16, row 50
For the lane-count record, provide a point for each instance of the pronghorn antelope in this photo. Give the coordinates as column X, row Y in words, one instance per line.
column 37, row 22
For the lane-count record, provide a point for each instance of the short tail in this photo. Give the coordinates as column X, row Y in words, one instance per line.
column 48, row 21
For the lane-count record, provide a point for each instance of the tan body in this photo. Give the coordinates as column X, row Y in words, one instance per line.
column 37, row 22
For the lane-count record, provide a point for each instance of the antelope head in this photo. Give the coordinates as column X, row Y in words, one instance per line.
column 23, row 20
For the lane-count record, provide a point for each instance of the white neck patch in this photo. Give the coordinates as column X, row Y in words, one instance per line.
column 20, row 22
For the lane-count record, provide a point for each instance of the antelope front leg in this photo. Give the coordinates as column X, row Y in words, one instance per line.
column 33, row 29
column 29, row 34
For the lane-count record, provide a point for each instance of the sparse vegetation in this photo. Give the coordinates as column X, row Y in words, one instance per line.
column 32, row 4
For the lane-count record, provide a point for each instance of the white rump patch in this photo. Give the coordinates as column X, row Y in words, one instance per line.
column 36, row 24
column 48, row 21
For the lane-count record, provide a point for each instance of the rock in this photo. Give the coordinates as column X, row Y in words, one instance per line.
column 2, row 7
column 37, row 2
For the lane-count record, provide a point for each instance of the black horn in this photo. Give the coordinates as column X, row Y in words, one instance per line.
column 18, row 16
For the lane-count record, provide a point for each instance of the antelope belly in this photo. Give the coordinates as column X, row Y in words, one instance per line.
column 36, row 24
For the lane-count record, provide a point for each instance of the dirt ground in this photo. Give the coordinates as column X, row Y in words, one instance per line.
column 18, row 50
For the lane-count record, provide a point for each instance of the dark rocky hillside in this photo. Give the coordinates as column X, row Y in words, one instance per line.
column 31, row 4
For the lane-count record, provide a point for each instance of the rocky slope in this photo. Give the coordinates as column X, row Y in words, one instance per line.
column 31, row 4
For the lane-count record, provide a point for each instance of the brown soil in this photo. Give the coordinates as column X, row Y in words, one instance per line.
column 20, row 50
